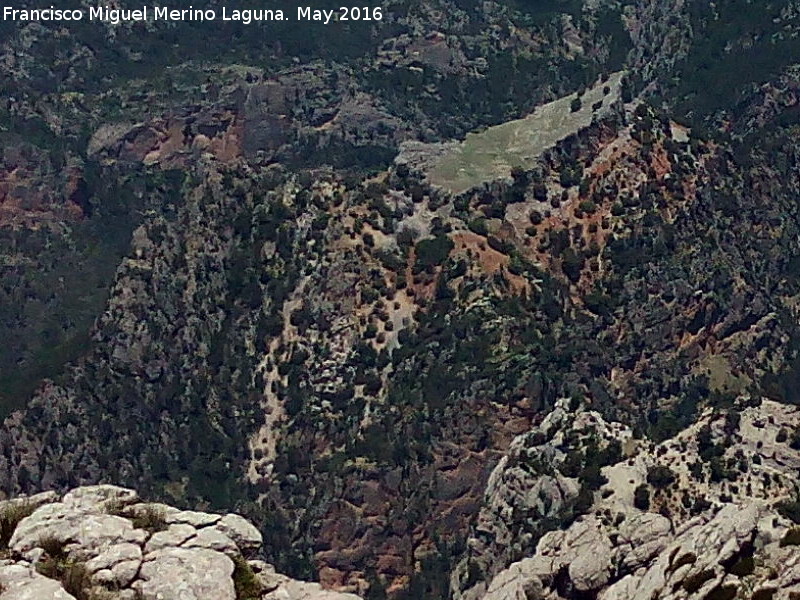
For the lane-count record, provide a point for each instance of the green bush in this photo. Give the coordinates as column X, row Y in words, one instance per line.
column 479, row 226
column 10, row 518
column 245, row 582
column 570, row 176
column 432, row 252
column 572, row 264
column 598, row 303
column 660, row 477
column 641, row 497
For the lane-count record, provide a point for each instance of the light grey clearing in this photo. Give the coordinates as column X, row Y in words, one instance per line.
column 492, row 153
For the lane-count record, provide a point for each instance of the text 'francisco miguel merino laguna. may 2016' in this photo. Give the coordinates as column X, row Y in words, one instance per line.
column 163, row 13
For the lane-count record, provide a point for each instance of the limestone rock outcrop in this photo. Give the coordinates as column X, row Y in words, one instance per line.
column 532, row 490
column 708, row 514
column 104, row 542
column 740, row 551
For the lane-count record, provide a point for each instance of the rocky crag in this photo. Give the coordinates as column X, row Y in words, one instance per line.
column 711, row 513
column 104, row 543
column 577, row 508
column 740, row 551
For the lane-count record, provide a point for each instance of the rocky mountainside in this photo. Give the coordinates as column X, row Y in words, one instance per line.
column 481, row 300
column 709, row 513
column 742, row 551
column 667, row 521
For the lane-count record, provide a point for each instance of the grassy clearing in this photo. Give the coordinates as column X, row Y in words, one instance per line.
column 491, row 154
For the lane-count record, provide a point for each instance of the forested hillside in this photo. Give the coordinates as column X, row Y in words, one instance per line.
column 413, row 294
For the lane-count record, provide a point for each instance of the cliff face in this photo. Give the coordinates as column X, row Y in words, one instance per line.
column 103, row 542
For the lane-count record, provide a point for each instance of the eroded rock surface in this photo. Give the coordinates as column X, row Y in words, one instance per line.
column 739, row 549
column 104, row 540
column 706, row 514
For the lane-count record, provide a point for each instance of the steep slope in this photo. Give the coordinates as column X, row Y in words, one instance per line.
column 78, row 100
column 366, row 351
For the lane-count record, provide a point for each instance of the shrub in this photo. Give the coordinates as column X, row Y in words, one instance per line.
column 660, row 477
column 570, row 176
column 520, row 176
column 700, row 505
column 432, row 252
column 150, row 518
column 76, row 580
column 390, row 260
column 10, row 517
column 369, row 295
column 55, row 564
column 52, row 546
column 592, row 478
column 598, row 303
column 245, row 582
column 540, row 191
column 572, row 264
column 641, row 497
column 478, row 226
